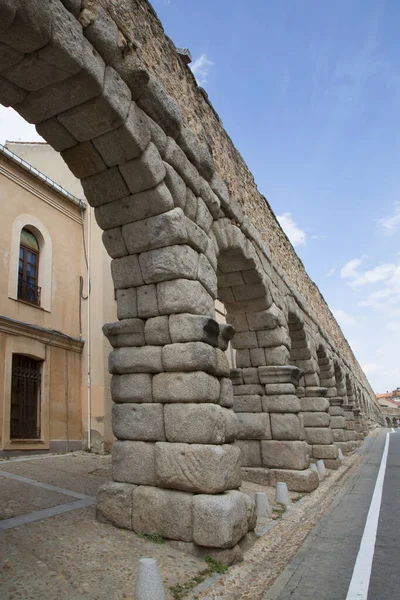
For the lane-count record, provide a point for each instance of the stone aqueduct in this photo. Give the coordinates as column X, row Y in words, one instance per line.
column 179, row 238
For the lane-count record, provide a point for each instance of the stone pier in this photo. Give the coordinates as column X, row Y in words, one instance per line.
column 317, row 422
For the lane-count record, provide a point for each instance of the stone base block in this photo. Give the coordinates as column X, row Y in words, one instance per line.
column 114, row 504
column 332, row 463
column 296, row 481
column 250, row 452
column 203, row 468
column 226, row 556
column 285, row 455
column 255, row 475
column 166, row 512
column 221, row 520
column 324, row 452
column 286, row 426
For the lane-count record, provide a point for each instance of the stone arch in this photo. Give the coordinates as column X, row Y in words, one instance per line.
column 326, row 370
column 350, row 390
column 300, row 350
column 340, row 380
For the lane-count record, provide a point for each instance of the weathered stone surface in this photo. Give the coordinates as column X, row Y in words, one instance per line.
column 185, row 387
column 314, row 404
column 126, row 142
column 219, row 521
column 254, row 426
column 175, row 156
column 190, row 204
column 316, row 391
column 222, row 368
column 243, row 358
column 156, row 232
column 316, row 419
column 207, row 275
column 285, row 426
column 278, row 355
column 147, row 303
column 164, row 264
column 55, row 134
column 191, row 356
column 134, row 208
column 114, row 504
column 250, row 389
column 226, row 393
column 338, row 423
column 129, row 332
column 134, row 462
column 250, row 451
column 134, row 387
column 273, row 389
column 161, row 108
column 250, row 375
column 273, row 374
column 114, row 242
column 184, row 296
column 27, row 26
column 156, row 331
column 144, row 172
column 10, row 94
column 248, row 404
column 318, row 435
column 226, row 556
column 281, row 404
column 327, row 451
column 145, row 359
column 126, row 303
column 104, row 188
column 336, row 411
column 245, row 339
column 340, row 435
column 105, row 113
column 285, row 455
column 138, row 421
column 274, row 337
column 257, row 475
column 201, row 468
column 266, row 319
column 297, row 481
column 190, row 328
column 199, row 424
column 176, row 186
column 165, row 512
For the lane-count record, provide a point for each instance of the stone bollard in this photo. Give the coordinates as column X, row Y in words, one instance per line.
column 262, row 505
column 282, row 494
column 340, row 454
column 149, row 585
column 321, row 468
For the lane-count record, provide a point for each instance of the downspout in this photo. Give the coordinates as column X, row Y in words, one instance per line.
column 89, row 370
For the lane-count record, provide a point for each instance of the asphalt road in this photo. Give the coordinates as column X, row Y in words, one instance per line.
column 323, row 567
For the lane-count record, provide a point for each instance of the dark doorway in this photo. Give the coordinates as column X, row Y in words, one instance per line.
column 25, row 398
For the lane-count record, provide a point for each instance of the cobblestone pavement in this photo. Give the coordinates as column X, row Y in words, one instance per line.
column 72, row 555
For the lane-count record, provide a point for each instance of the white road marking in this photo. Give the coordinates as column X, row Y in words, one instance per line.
column 359, row 584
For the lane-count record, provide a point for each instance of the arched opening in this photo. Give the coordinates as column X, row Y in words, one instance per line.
column 326, row 371
column 300, row 354
column 340, row 382
column 349, row 391
column 28, row 268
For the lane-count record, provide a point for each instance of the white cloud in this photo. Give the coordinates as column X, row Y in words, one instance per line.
column 344, row 318
column 318, row 237
column 370, row 368
column 388, row 296
column 330, row 272
column 200, row 68
column 14, row 128
column 296, row 235
column 349, row 270
column 379, row 273
column 391, row 223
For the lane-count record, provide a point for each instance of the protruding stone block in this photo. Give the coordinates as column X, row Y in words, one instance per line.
column 199, row 423
column 285, row 426
column 145, row 359
column 257, row 475
column 296, row 481
column 285, row 455
column 174, row 262
column 138, row 421
column 190, row 328
column 318, row 435
column 324, row 452
column 168, row 513
column 254, row 426
column 279, row 374
column 201, row 468
column 129, row 332
column 184, row 296
column 134, row 462
column 134, row 387
column 185, row 387
column 219, row 521
column 114, row 504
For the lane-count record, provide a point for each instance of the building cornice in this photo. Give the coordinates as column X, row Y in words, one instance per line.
column 52, row 337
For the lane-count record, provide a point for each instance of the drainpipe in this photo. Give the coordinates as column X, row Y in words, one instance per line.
column 89, row 377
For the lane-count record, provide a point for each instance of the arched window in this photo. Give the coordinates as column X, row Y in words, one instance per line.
column 28, row 268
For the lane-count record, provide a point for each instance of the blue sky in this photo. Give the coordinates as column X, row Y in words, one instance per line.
column 309, row 92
